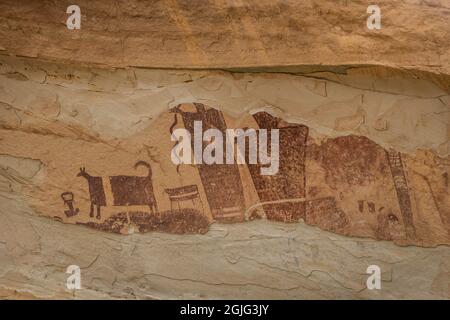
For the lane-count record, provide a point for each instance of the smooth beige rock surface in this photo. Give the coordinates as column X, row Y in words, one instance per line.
column 253, row 260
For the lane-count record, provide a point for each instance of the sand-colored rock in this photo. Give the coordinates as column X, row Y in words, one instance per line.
column 254, row 260
column 365, row 171
column 307, row 35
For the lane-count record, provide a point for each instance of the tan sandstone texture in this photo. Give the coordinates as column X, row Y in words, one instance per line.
column 229, row 34
column 87, row 120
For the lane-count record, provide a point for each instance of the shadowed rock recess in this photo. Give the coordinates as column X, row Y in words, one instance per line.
column 87, row 124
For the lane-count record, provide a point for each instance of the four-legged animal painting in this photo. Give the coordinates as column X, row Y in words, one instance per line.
column 126, row 190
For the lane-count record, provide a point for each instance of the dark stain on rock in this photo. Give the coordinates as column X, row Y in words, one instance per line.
column 182, row 221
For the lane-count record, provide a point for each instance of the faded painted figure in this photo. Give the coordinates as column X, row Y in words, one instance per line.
column 96, row 191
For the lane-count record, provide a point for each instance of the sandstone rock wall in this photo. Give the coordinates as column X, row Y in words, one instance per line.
column 230, row 34
column 57, row 118
column 87, row 179
column 89, row 127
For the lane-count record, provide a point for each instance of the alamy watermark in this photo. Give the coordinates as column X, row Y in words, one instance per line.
column 374, row 20
column 73, row 281
column 213, row 152
column 74, row 20
column 374, row 280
